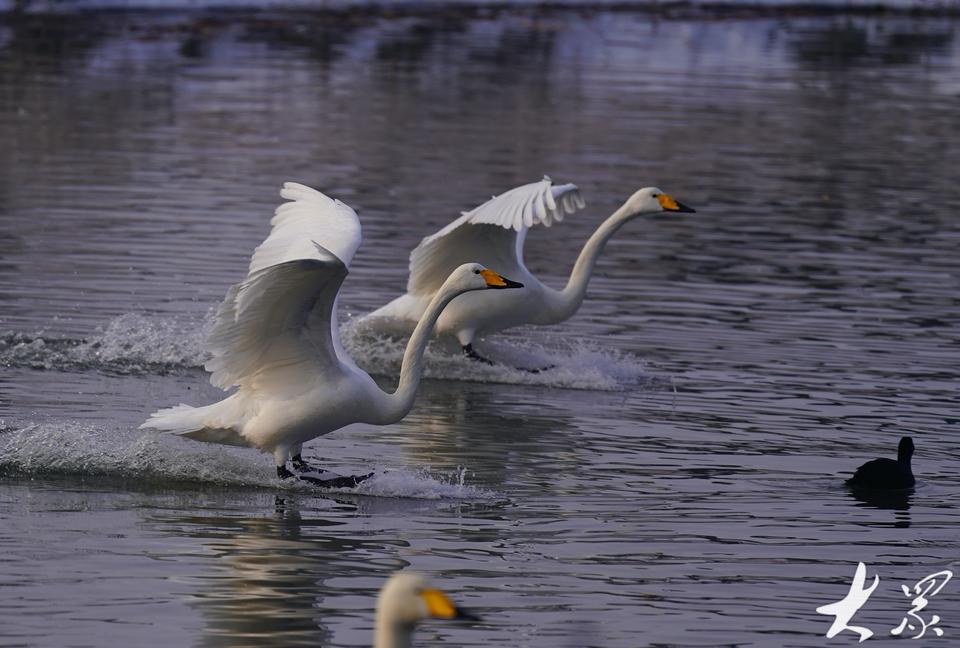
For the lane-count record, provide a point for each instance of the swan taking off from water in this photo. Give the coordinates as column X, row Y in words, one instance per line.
column 276, row 339
column 405, row 600
column 494, row 234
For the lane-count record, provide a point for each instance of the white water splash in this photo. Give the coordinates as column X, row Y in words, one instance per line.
column 138, row 344
column 130, row 343
column 421, row 485
column 558, row 363
column 81, row 449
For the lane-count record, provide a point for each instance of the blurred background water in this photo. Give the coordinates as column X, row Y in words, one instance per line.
column 676, row 480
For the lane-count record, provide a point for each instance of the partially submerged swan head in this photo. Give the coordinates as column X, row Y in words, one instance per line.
column 474, row 276
column 905, row 450
column 651, row 200
column 407, row 599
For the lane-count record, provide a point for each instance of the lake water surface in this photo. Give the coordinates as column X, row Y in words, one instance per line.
column 675, row 480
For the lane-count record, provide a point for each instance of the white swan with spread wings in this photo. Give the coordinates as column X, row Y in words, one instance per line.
column 494, row 234
column 276, row 340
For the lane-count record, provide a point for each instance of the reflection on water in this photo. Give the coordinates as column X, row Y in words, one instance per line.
column 268, row 577
column 460, row 426
column 896, row 500
column 805, row 317
column 857, row 43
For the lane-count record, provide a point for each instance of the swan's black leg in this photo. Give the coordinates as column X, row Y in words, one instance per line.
column 473, row 355
column 283, row 473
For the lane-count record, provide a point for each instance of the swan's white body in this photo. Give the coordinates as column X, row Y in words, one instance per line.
column 494, row 234
column 406, row 599
column 276, row 339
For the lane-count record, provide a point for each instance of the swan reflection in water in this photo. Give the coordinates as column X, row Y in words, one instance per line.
column 266, row 584
column 454, row 426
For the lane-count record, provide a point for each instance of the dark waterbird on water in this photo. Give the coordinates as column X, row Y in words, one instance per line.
column 885, row 473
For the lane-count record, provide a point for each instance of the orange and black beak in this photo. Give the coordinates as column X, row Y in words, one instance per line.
column 441, row 607
column 466, row 615
column 495, row 280
column 669, row 203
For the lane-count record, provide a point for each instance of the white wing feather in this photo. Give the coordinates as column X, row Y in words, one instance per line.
column 310, row 217
column 492, row 233
column 282, row 314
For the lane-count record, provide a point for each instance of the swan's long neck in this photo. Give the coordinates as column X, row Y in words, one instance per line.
column 392, row 634
column 395, row 406
column 562, row 304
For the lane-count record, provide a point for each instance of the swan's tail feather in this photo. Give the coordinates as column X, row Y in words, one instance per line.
column 199, row 423
column 223, row 436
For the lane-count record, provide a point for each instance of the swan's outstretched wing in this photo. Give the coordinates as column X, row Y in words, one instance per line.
column 310, row 217
column 283, row 313
column 492, row 233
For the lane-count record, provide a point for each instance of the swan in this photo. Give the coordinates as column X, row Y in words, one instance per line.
column 885, row 473
column 406, row 599
column 494, row 233
column 275, row 338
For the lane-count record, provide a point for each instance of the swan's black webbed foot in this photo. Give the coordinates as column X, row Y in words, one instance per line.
column 331, row 480
column 469, row 351
column 473, row 355
column 300, row 465
column 536, row 370
column 337, row 481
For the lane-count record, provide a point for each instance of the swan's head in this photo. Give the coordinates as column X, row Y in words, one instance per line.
column 408, row 598
column 905, row 449
column 474, row 276
column 651, row 200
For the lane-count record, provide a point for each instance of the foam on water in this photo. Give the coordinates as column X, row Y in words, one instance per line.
column 74, row 448
column 139, row 344
column 130, row 343
column 69, row 447
column 422, row 485
column 561, row 363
